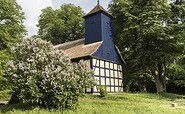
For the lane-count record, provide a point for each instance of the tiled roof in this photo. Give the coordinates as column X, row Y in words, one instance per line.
column 96, row 9
column 77, row 48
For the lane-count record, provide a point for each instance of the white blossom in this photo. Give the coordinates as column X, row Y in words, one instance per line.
column 41, row 70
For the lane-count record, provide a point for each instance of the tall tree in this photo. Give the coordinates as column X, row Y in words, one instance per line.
column 176, row 73
column 11, row 29
column 145, row 33
column 11, row 23
column 61, row 25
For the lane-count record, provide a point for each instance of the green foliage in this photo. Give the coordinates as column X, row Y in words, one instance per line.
column 11, row 29
column 5, row 95
column 43, row 76
column 103, row 90
column 83, row 70
column 138, row 81
column 178, row 9
column 176, row 70
column 176, row 74
column 4, row 57
column 11, row 23
column 61, row 25
column 148, row 37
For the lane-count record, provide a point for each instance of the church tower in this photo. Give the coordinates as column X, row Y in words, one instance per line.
column 98, row 48
column 98, row 25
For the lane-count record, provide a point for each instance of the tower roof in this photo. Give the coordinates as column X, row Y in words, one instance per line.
column 96, row 9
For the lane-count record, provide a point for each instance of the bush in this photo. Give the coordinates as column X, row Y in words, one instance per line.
column 4, row 57
column 42, row 75
column 103, row 90
column 4, row 95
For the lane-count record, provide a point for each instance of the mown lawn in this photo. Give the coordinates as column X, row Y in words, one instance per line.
column 122, row 103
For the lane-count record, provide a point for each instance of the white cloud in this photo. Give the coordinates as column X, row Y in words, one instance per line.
column 86, row 5
column 32, row 9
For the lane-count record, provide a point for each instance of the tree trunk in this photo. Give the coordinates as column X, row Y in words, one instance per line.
column 159, row 85
column 160, row 77
column 142, row 85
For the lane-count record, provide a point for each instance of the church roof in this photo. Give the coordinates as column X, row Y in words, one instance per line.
column 97, row 8
column 77, row 48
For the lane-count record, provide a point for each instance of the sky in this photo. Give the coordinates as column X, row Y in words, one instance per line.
column 32, row 9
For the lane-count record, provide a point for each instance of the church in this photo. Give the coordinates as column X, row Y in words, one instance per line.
column 98, row 48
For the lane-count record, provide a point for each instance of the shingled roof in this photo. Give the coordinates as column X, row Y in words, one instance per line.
column 97, row 8
column 77, row 48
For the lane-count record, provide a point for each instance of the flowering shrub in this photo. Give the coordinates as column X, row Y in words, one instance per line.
column 43, row 76
column 103, row 90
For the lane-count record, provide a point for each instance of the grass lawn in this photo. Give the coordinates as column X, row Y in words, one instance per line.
column 120, row 103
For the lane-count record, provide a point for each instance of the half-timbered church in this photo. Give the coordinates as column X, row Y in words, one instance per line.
column 98, row 48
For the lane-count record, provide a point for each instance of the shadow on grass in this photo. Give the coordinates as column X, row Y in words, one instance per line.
column 18, row 106
column 171, row 96
column 115, row 97
column 162, row 96
column 138, row 96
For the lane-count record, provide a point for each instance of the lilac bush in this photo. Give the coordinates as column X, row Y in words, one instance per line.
column 44, row 76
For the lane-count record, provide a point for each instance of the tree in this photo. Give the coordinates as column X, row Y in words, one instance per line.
column 176, row 73
column 11, row 23
column 178, row 10
column 4, row 57
column 61, row 25
column 11, row 29
column 43, row 76
column 145, row 33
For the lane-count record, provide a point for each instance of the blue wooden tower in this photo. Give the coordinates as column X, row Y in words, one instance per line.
column 99, row 49
column 99, row 27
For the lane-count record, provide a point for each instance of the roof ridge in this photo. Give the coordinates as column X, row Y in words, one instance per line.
column 69, row 44
column 96, row 9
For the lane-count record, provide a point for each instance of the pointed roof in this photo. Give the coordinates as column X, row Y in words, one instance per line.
column 77, row 48
column 96, row 9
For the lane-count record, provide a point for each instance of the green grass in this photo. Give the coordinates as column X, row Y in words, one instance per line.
column 122, row 103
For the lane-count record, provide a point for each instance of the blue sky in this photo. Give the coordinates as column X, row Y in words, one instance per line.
column 32, row 9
